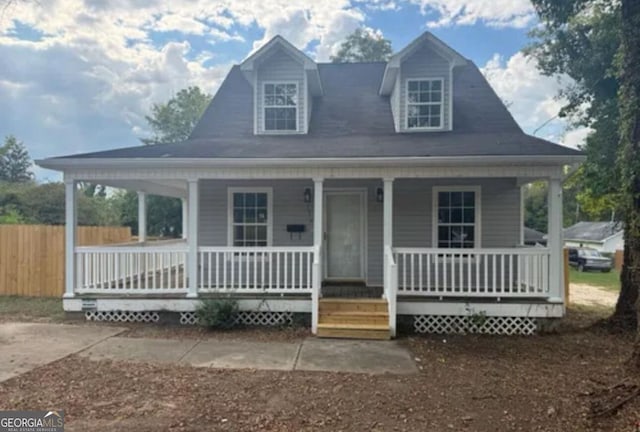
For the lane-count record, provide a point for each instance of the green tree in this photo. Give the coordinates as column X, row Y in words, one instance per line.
column 170, row 122
column 582, row 39
column 629, row 160
column 174, row 121
column 363, row 45
column 15, row 163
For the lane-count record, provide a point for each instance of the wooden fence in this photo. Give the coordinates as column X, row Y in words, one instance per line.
column 32, row 256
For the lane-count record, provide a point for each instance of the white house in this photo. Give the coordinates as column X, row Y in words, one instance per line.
column 605, row 237
column 306, row 182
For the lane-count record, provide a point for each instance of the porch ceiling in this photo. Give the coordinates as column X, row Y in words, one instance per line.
column 168, row 188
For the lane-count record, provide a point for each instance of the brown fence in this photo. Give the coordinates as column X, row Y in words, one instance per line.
column 32, row 256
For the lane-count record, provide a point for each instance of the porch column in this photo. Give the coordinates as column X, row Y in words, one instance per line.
column 185, row 217
column 318, row 234
column 71, row 222
column 142, row 217
column 387, row 223
column 192, row 239
column 554, row 240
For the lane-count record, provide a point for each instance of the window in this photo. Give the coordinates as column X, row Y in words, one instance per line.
column 249, row 217
column 457, row 217
column 280, row 107
column 424, row 103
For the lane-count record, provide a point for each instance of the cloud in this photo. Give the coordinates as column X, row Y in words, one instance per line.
column 532, row 97
column 494, row 13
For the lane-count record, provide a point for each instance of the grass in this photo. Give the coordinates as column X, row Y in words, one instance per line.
column 609, row 281
column 27, row 308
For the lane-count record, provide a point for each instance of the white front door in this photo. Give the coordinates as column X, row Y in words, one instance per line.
column 344, row 234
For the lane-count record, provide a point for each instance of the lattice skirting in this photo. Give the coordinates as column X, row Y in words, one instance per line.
column 445, row 324
column 252, row 318
column 122, row 316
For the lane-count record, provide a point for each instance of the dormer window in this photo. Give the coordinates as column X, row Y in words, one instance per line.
column 424, row 103
column 280, row 106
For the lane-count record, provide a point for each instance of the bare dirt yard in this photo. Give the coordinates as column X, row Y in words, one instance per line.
column 474, row 383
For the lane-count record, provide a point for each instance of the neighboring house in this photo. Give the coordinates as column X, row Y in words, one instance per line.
column 603, row 236
column 534, row 237
column 304, row 181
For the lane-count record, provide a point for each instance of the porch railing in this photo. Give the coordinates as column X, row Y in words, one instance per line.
column 255, row 270
column 496, row 273
column 131, row 269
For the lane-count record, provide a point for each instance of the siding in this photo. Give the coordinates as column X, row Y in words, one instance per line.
column 395, row 108
column 413, row 217
column 424, row 63
column 280, row 66
column 412, row 213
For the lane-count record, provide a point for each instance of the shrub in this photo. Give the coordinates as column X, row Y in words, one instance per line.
column 217, row 313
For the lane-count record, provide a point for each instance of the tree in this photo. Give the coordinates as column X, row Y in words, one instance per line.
column 363, row 45
column 15, row 162
column 581, row 39
column 174, row 121
column 629, row 105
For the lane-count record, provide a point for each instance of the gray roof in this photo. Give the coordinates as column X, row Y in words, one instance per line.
column 352, row 120
column 534, row 236
column 592, row 231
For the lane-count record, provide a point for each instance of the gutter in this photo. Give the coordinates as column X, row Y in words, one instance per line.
column 62, row 164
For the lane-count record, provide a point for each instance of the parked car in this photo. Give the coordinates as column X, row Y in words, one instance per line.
column 589, row 259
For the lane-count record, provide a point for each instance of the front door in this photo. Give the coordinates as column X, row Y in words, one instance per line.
column 344, row 234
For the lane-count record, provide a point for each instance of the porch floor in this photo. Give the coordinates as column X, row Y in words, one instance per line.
column 350, row 290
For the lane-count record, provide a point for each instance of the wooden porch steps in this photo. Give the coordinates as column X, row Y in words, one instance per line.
column 359, row 318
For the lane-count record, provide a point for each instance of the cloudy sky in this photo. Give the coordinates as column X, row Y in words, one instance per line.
column 79, row 75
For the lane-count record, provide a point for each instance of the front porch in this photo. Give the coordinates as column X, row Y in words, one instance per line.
column 294, row 268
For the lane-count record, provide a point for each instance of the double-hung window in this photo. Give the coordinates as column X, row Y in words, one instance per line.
column 457, row 215
column 280, row 106
column 250, row 217
column 425, row 103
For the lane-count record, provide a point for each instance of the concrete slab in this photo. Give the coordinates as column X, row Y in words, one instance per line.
column 141, row 349
column 375, row 357
column 243, row 355
column 26, row 346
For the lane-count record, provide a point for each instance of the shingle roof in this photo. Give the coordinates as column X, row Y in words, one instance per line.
column 352, row 120
column 534, row 236
column 592, row 231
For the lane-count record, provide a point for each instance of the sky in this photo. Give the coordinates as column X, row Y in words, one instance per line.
column 80, row 75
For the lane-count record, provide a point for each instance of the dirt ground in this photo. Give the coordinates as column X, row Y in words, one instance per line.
column 474, row 383
column 590, row 295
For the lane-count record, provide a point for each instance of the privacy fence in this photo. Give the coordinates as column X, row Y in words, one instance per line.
column 32, row 256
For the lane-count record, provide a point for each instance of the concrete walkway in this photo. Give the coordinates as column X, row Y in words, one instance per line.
column 311, row 355
column 25, row 346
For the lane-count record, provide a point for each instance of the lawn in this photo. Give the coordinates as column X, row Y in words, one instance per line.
column 16, row 308
column 609, row 281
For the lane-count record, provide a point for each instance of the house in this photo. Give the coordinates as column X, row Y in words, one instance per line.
column 398, row 181
column 534, row 237
column 605, row 237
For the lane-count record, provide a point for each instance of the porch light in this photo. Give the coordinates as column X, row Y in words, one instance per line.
column 307, row 195
column 379, row 195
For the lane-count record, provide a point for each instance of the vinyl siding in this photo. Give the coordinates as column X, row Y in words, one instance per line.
column 424, row 63
column 280, row 66
column 412, row 226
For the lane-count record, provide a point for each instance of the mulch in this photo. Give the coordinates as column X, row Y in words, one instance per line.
column 466, row 383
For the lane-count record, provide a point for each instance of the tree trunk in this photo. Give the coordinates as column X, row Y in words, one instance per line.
column 629, row 102
column 625, row 316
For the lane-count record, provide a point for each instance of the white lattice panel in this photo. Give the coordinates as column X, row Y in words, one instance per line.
column 122, row 316
column 446, row 324
column 251, row 318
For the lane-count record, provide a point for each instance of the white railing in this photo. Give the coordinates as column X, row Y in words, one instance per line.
column 391, row 288
column 258, row 269
column 131, row 269
column 515, row 272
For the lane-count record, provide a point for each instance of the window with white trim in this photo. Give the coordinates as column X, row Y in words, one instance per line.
column 457, row 214
column 250, row 217
column 280, row 105
column 425, row 103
